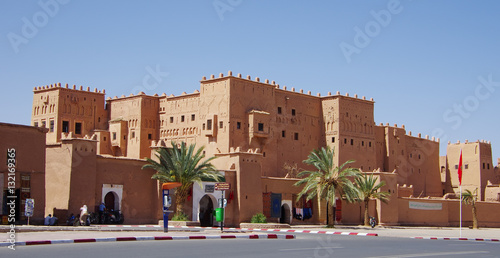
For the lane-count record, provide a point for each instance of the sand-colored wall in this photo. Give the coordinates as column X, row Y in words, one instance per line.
column 140, row 203
column 29, row 145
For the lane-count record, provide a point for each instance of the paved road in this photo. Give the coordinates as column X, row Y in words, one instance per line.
column 306, row 245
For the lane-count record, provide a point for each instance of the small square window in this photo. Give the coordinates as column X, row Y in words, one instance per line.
column 132, row 135
column 51, row 126
column 114, row 136
column 456, row 166
column 466, row 166
column 192, row 117
column 352, row 141
column 488, row 165
column 333, row 139
column 209, row 124
column 362, row 143
column 293, row 112
column 171, row 119
column 261, row 127
column 182, row 118
column 36, row 124
column 221, row 124
column 150, row 136
column 283, row 133
column 238, row 125
column 44, row 124
column 296, row 136
column 369, row 144
column 345, row 141
column 279, row 110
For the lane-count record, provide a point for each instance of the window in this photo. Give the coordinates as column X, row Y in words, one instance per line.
column 221, row 124
column 114, row 136
column 98, row 119
column 203, row 126
column 352, row 141
column 283, row 133
column 209, row 124
column 124, row 137
column 484, row 165
column 488, row 165
column 36, row 124
column 238, row 125
column 78, row 128
column 44, row 125
column 456, row 166
column 293, row 112
column 192, row 117
column 345, row 141
column 466, row 166
column 132, row 135
column 104, row 138
column 182, row 118
column 171, row 119
column 296, row 136
column 150, row 136
column 333, row 139
column 51, row 126
column 369, row 144
column 279, row 110
column 362, row 143
column 261, row 127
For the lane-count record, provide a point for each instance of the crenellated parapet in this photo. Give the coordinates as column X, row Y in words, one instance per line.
column 277, row 86
column 67, row 87
column 409, row 133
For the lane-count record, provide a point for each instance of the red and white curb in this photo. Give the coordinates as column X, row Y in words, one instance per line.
column 458, row 238
column 249, row 229
column 146, row 238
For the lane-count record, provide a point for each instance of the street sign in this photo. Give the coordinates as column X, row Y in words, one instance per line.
column 29, row 207
column 222, row 186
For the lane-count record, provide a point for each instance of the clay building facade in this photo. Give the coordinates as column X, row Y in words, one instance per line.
column 256, row 129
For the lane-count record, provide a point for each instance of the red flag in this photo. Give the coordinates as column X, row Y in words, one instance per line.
column 460, row 169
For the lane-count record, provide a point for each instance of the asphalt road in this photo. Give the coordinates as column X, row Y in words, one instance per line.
column 304, row 246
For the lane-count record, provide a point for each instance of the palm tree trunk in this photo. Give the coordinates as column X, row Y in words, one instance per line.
column 474, row 217
column 180, row 199
column 367, row 216
column 331, row 218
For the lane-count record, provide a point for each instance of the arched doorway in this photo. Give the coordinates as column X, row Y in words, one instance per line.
column 110, row 200
column 206, row 210
column 285, row 214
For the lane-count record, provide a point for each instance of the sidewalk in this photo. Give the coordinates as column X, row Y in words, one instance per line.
column 150, row 232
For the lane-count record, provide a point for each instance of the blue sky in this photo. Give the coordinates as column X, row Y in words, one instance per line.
column 433, row 66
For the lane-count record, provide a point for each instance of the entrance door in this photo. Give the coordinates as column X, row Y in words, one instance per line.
column 206, row 210
column 285, row 214
column 109, row 201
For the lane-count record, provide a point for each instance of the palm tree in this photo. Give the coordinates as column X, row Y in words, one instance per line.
column 184, row 165
column 470, row 198
column 368, row 189
column 328, row 181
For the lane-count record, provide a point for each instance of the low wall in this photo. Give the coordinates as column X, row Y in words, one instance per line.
column 446, row 213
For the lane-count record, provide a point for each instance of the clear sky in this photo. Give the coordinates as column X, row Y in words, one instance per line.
column 433, row 66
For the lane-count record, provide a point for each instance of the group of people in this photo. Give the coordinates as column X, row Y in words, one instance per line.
column 50, row 220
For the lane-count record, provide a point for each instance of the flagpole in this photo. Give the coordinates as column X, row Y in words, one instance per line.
column 460, row 210
column 460, row 182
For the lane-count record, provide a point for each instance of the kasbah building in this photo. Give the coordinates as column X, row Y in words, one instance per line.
column 84, row 149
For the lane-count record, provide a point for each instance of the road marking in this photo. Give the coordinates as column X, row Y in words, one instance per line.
column 431, row 254
column 310, row 248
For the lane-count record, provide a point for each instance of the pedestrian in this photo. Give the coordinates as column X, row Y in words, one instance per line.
column 102, row 207
column 53, row 221
column 46, row 221
column 83, row 215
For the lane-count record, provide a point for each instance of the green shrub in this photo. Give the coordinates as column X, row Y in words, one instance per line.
column 180, row 217
column 259, row 218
